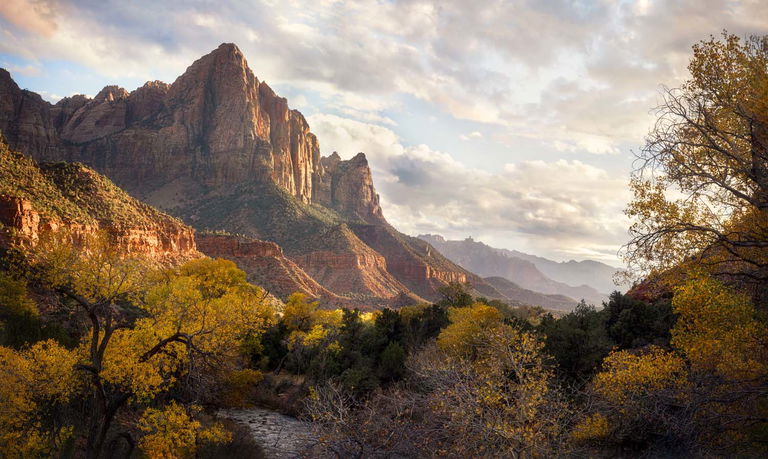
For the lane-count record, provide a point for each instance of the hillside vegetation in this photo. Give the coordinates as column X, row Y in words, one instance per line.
column 72, row 192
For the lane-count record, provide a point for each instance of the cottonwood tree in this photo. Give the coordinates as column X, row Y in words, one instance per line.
column 703, row 397
column 149, row 329
column 701, row 191
column 35, row 384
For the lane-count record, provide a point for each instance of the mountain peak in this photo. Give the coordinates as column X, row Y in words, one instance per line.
column 7, row 85
column 359, row 159
column 111, row 93
column 227, row 52
column 228, row 48
column 226, row 61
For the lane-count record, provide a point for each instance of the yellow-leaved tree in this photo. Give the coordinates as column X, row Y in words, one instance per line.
column 491, row 387
column 34, row 384
column 172, row 432
column 701, row 193
column 310, row 328
column 705, row 396
column 150, row 329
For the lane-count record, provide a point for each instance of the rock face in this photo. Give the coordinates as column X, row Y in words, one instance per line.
column 348, row 266
column 265, row 265
column 39, row 200
column 216, row 124
column 26, row 119
column 219, row 149
column 347, row 186
column 412, row 261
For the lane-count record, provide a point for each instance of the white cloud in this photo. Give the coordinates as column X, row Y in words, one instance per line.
column 471, row 135
column 299, row 101
column 50, row 97
column 578, row 75
column 27, row 70
column 560, row 208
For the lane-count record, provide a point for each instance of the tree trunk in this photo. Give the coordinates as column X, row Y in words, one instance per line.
column 101, row 423
column 760, row 163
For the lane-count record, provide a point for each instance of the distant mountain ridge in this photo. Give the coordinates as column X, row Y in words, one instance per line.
column 586, row 272
column 528, row 297
column 522, row 270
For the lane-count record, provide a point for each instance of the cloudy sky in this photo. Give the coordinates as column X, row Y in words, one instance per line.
column 510, row 121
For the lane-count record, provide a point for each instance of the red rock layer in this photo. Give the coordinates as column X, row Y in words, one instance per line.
column 164, row 242
column 413, row 262
column 351, row 267
column 264, row 264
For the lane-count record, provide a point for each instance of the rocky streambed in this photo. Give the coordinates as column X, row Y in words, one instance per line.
column 279, row 435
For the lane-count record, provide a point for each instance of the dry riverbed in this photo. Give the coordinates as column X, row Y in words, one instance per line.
column 279, row 435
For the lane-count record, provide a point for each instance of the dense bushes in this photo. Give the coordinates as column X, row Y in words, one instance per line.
column 580, row 340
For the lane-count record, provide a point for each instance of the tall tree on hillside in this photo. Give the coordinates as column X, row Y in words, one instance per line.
column 701, row 191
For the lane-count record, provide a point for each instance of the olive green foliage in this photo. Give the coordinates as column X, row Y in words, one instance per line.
column 456, row 295
column 71, row 191
column 14, row 298
column 633, row 323
column 361, row 351
column 20, row 321
column 264, row 208
column 580, row 340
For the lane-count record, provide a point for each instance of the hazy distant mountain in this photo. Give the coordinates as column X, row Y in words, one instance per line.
column 488, row 261
column 587, row 272
column 513, row 291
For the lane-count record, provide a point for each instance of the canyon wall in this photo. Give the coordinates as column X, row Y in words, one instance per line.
column 265, row 265
column 216, row 124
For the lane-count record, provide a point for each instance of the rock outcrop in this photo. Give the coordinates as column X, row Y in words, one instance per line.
column 348, row 266
column 414, row 262
column 71, row 199
column 220, row 150
column 26, row 119
column 347, row 186
column 265, row 265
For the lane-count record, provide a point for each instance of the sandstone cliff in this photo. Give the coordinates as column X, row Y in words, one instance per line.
column 219, row 149
column 348, row 266
column 216, row 124
column 347, row 187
